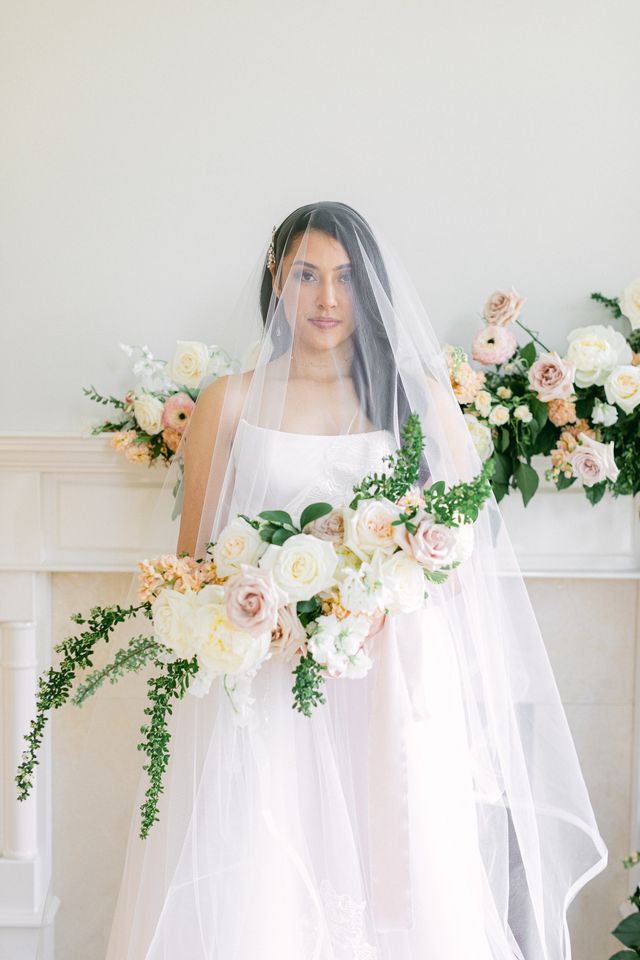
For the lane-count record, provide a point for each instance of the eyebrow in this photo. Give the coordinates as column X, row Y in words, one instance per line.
column 316, row 267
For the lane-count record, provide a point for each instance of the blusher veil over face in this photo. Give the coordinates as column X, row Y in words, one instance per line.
column 537, row 837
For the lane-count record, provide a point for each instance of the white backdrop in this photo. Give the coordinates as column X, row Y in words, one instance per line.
column 149, row 146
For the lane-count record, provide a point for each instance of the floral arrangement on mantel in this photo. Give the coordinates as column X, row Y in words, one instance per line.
column 581, row 409
column 315, row 592
column 153, row 415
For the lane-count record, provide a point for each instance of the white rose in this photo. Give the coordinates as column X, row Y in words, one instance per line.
column 499, row 415
column 596, row 350
column 221, row 648
column 190, row 362
column 173, row 620
column 504, row 392
column 622, row 387
column 238, row 543
column 481, row 436
column 302, row 566
column 337, row 645
column 630, row 303
column 603, row 413
column 523, row 412
column 405, row 583
column 482, row 402
column 148, row 412
column 368, row 527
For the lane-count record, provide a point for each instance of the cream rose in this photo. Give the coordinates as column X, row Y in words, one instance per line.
column 148, row 410
column 630, row 303
column 190, row 362
column 221, row 648
column 368, row 527
column 302, row 566
column 238, row 543
column 481, row 436
column 523, row 412
column 173, row 620
column 622, row 387
column 596, row 351
column 551, row 377
column 482, row 403
column 405, row 583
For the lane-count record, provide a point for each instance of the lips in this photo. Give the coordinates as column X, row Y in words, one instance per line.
column 324, row 322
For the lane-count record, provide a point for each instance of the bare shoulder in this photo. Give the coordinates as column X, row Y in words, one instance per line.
column 218, row 406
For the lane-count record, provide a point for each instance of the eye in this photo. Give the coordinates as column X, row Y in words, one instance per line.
column 346, row 276
column 302, row 274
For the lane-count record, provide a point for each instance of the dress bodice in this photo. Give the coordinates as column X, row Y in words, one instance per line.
column 276, row 470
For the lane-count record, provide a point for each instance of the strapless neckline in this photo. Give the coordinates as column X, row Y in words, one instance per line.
column 314, row 436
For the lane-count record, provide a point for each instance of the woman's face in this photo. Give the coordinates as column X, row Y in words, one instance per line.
column 316, row 284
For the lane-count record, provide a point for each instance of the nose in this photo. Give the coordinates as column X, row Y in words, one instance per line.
column 327, row 293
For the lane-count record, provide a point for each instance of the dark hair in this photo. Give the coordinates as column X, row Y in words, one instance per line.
column 343, row 223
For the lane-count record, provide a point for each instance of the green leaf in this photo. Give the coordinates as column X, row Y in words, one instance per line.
column 528, row 353
column 628, row 930
column 540, row 411
column 584, row 407
column 526, row 479
column 504, row 439
column 502, row 471
column 594, row 494
column 280, row 535
column 500, row 490
column 313, row 511
column 277, row 516
column 625, row 955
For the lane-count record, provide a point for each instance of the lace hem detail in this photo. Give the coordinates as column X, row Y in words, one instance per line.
column 346, row 924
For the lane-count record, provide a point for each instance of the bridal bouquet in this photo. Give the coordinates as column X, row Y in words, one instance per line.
column 313, row 592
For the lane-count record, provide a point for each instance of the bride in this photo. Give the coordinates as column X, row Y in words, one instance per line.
column 433, row 808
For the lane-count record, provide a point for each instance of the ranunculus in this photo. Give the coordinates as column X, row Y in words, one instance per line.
column 596, row 351
column 252, row 599
column 173, row 620
column 432, row 545
column 368, row 527
column 238, row 543
column 290, row 636
column 502, row 307
column 499, row 415
column 189, row 363
column 302, row 566
column 147, row 410
column 592, row 461
column 337, row 644
column 481, row 436
column 177, row 410
column 405, row 583
column 329, row 527
column 221, row 647
column 630, row 303
column 551, row 377
column 494, row 344
column 622, row 387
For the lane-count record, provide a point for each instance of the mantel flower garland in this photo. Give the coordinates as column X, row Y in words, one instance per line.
column 581, row 409
column 314, row 593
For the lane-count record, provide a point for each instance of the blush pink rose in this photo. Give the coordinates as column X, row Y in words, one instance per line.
column 592, row 461
column 251, row 598
column 329, row 527
column 502, row 307
column 432, row 545
column 552, row 377
column 289, row 637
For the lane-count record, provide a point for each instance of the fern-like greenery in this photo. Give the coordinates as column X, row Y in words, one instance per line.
column 404, row 465
column 130, row 659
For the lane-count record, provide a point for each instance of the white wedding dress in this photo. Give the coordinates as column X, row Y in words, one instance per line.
column 349, row 835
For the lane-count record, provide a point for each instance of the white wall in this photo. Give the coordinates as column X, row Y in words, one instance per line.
column 148, row 147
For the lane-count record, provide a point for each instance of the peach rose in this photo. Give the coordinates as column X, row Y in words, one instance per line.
column 502, row 307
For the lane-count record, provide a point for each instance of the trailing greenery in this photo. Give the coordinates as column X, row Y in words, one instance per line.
column 130, row 659
column 404, row 464
column 462, row 502
column 168, row 686
column 307, row 689
column 54, row 685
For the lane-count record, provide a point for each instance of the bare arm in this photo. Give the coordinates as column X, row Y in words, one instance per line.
column 206, row 434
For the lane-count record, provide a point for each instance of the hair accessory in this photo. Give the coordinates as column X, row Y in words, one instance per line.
column 271, row 255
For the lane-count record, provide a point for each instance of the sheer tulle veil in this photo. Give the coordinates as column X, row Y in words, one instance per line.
column 537, row 837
